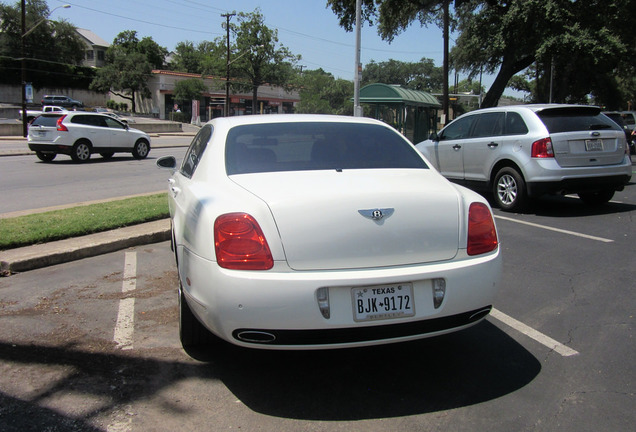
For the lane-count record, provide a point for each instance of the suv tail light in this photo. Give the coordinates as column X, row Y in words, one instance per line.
column 482, row 235
column 240, row 244
column 542, row 148
column 60, row 126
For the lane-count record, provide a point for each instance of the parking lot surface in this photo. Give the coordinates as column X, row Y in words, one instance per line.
column 92, row 345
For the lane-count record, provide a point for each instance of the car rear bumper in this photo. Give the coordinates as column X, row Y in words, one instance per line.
column 578, row 185
column 51, row 148
column 279, row 309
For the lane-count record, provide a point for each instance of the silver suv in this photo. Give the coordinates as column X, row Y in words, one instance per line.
column 525, row 151
column 79, row 134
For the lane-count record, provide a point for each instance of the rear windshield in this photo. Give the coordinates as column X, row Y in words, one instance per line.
column 316, row 146
column 573, row 119
column 46, row 120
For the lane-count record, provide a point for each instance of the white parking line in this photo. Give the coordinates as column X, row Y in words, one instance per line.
column 124, row 326
column 547, row 341
column 601, row 239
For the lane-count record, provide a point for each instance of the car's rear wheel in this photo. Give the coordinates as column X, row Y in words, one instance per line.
column 191, row 331
column 81, row 151
column 509, row 190
column 107, row 155
column 45, row 156
column 141, row 149
column 596, row 198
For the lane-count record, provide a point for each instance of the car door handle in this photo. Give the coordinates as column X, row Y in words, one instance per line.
column 171, row 181
column 457, row 147
column 492, row 144
column 175, row 190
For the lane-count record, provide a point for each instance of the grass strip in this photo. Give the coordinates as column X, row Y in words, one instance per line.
column 78, row 221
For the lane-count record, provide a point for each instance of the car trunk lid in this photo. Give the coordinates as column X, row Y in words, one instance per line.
column 325, row 218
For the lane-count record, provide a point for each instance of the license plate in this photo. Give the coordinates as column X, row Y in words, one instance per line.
column 41, row 133
column 594, row 145
column 382, row 302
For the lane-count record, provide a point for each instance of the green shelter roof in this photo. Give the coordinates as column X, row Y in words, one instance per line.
column 391, row 94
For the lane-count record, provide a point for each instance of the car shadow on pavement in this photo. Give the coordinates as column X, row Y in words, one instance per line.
column 569, row 206
column 465, row 368
column 472, row 366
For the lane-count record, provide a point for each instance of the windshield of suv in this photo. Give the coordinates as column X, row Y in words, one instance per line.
column 46, row 120
column 572, row 119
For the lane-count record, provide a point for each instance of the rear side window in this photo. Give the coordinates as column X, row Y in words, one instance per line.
column 89, row 120
column 46, row 120
column 515, row 124
column 316, row 146
column 628, row 119
column 573, row 119
column 489, row 124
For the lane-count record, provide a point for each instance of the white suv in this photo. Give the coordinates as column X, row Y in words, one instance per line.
column 524, row 151
column 79, row 134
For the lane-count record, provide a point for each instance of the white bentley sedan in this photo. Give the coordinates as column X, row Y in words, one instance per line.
column 314, row 231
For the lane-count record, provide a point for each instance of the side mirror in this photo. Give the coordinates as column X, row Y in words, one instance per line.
column 167, row 162
column 433, row 136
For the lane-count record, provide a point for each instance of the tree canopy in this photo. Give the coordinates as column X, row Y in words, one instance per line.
column 584, row 46
column 53, row 49
column 259, row 58
column 129, row 63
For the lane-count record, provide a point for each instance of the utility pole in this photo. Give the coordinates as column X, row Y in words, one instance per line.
column 226, row 109
column 23, row 67
column 357, row 109
column 445, row 66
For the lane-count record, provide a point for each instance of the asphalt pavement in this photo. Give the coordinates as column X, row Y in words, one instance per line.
column 58, row 252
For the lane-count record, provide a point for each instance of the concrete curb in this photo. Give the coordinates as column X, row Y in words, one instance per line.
column 58, row 252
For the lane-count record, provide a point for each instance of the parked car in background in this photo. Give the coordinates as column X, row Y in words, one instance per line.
column 619, row 119
column 63, row 101
column 31, row 114
column 525, row 151
column 80, row 134
column 629, row 118
column 316, row 231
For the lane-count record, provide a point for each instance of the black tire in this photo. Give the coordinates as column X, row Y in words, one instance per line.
column 45, row 156
column 509, row 190
column 596, row 198
column 81, row 151
column 107, row 155
column 191, row 331
column 141, row 149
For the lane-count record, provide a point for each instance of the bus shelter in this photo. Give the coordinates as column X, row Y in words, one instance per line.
column 412, row 112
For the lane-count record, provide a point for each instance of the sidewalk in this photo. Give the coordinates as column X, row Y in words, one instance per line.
column 58, row 252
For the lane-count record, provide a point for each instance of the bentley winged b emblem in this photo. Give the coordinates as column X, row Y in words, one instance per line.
column 377, row 214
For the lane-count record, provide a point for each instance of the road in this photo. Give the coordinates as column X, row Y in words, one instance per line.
column 557, row 353
column 27, row 183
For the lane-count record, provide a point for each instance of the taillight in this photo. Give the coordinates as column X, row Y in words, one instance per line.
column 542, row 148
column 240, row 243
column 60, row 126
column 482, row 235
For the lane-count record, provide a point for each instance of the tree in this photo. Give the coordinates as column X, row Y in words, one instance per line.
column 588, row 41
column 321, row 93
column 259, row 59
column 53, row 49
column 188, row 90
column 129, row 63
column 423, row 76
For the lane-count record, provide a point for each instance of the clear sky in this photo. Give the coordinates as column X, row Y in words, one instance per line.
column 306, row 27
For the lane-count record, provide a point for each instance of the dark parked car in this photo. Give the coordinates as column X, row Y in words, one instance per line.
column 63, row 101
